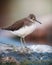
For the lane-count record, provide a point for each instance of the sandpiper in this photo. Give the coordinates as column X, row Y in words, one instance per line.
column 23, row 27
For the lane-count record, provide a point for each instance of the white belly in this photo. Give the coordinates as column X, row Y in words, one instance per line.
column 24, row 31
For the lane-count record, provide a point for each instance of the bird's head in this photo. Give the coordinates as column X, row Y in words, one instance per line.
column 33, row 18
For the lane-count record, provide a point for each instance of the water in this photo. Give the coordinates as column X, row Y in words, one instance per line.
column 6, row 37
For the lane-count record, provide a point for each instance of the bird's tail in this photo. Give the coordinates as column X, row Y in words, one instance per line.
column 2, row 28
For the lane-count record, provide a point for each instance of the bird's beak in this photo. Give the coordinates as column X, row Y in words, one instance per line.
column 38, row 21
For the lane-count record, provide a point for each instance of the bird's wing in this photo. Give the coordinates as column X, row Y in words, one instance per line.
column 15, row 26
column 18, row 24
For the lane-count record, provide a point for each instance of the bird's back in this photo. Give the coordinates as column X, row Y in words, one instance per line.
column 15, row 26
column 18, row 24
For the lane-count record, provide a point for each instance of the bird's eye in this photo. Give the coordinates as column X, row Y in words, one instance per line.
column 33, row 18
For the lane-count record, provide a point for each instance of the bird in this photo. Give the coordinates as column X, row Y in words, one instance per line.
column 23, row 27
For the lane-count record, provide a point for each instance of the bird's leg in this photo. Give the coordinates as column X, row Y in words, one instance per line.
column 24, row 43
column 21, row 39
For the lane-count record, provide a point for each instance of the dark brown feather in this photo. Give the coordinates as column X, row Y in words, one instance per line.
column 18, row 24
